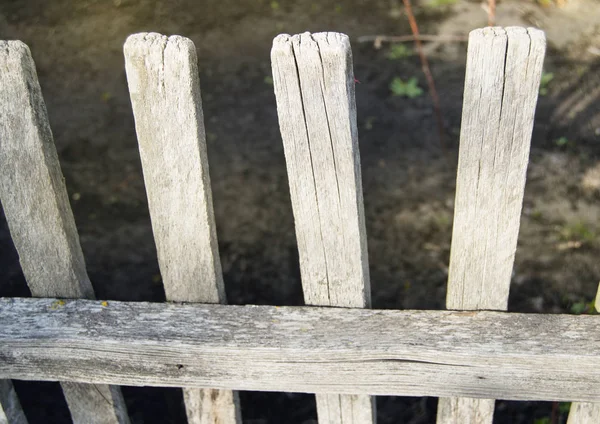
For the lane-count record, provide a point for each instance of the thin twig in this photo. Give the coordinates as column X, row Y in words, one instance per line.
column 378, row 39
column 555, row 414
column 425, row 65
column 492, row 12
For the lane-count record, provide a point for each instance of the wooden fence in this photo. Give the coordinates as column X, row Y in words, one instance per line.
column 345, row 354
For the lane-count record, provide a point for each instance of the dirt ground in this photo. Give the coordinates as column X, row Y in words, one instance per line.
column 408, row 179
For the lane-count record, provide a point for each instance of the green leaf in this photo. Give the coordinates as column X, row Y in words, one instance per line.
column 441, row 3
column 579, row 308
column 545, row 81
column 399, row 51
column 408, row 89
column 564, row 407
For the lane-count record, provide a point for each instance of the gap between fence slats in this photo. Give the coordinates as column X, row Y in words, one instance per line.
column 314, row 87
column 39, row 216
column 165, row 93
column 303, row 349
column 503, row 73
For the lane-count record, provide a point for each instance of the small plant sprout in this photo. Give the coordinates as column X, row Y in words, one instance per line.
column 562, row 141
column 545, row 81
column 578, row 232
column 441, row 3
column 408, row 89
column 398, row 52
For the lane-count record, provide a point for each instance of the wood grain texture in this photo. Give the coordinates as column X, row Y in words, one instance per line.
column 38, row 213
column 501, row 85
column 314, row 86
column 584, row 413
column 165, row 93
column 10, row 407
column 477, row 354
column 504, row 68
column 345, row 409
column 162, row 73
column 465, row 411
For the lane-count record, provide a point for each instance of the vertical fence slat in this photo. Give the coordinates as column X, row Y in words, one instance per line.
column 162, row 73
column 314, row 87
column 586, row 412
column 503, row 73
column 39, row 216
column 10, row 407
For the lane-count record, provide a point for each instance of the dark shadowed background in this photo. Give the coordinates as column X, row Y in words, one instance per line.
column 408, row 179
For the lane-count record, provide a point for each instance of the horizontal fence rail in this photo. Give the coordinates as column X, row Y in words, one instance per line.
column 494, row 355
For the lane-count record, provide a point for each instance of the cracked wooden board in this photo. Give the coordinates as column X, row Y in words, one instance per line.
column 303, row 349
column 504, row 68
column 314, row 88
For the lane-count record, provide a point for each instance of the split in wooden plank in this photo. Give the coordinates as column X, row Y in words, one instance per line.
column 475, row 354
column 504, row 68
column 38, row 213
column 165, row 93
column 10, row 407
column 501, row 86
column 314, row 86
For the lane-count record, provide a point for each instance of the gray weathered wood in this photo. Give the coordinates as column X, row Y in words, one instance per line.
column 38, row 213
column 465, row 411
column 314, row 87
column 504, row 67
column 10, row 407
column 584, row 413
column 476, row 354
column 501, row 86
column 165, row 93
column 341, row 409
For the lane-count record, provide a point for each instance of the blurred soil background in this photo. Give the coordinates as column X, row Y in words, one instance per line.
column 408, row 180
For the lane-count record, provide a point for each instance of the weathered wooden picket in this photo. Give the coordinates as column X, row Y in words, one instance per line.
column 346, row 354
